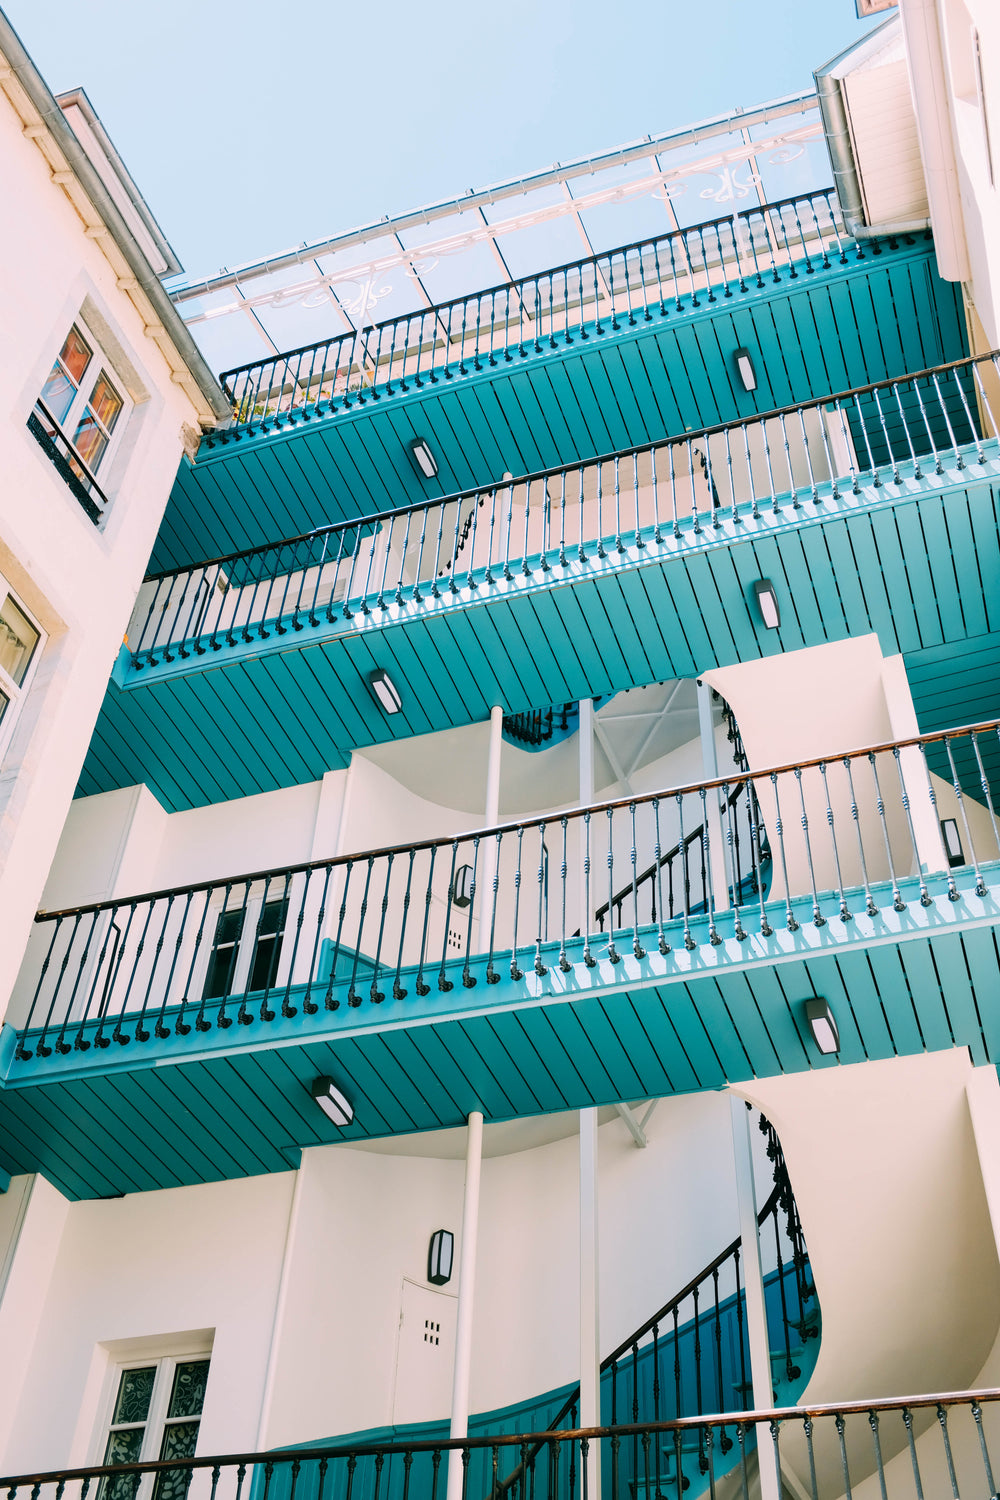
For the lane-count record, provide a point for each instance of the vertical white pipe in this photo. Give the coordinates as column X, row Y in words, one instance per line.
column 717, row 846
column 586, row 751
column 488, row 862
column 466, row 1295
column 493, row 767
column 753, row 1286
column 590, row 1347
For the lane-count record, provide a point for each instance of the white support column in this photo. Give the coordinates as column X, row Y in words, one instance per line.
column 586, row 748
column 488, row 861
column 466, row 1296
column 753, row 1284
column 717, row 847
column 493, row 766
column 590, row 1286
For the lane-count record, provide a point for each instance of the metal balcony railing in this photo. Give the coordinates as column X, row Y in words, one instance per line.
column 623, row 507
column 598, row 294
column 908, row 1446
column 63, row 454
column 855, row 836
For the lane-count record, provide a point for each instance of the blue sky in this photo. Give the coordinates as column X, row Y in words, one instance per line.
column 250, row 127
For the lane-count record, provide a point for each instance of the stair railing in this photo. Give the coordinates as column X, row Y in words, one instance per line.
column 686, row 893
column 693, row 1353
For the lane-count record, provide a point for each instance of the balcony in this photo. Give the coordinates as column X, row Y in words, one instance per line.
column 627, row 950
column 607, row 353
column 870, row 512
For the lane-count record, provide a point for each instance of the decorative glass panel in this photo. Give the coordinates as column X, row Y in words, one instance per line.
column 124, row 1448
column 105, row 402
column 179, row 1440
column 18, row 639
column 188, row 1396
column 134, row 1395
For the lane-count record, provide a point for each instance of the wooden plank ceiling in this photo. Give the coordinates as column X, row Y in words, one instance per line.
column 918, row 564
column 925, row 981
column 882, row 316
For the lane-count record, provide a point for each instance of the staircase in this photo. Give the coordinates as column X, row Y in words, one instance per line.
column 691, row 1357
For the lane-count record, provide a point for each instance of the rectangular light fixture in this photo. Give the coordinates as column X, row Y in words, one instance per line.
column 952, row 842
column 385, row 692
column 440, row 1257
column 746, row 369
column 335, row 1105
column 767, row 603
column 423, row 458
column 823, row 1026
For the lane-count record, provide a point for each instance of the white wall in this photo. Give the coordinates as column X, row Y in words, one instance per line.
column 204, row 1258
column 77, row 580
column 366, row 1217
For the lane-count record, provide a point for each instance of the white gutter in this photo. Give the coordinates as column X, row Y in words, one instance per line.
column 692, row 135
column 925, row 63
column 42, row 100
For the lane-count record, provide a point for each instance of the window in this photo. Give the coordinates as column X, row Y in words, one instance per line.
column 79, row 416
column 19, row 641
column 156, row 1414
column 246, row 948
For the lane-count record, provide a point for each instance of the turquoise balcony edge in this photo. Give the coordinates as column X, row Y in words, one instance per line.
column 920, row 979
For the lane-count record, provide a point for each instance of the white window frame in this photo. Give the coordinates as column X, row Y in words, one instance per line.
column 156, row 1419
column 100, row 363
column 16, row 693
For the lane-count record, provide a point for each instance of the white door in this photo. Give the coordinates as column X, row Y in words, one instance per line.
column 425, row 1354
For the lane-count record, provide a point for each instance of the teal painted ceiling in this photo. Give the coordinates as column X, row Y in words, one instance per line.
column 917, row 563
column 162, row 1114
column 881, row 316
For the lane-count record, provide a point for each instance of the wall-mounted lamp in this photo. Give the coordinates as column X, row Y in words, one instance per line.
column 440, row 1257
column 823, row 1026
column 746, row 369
column 461, row 891
column 423, row 458
column 385, row 692
column 767, row 603
column 952, row 842
column 335, row 1105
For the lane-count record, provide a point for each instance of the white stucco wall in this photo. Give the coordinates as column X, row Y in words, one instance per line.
column 76, row 579
column 153, row 1266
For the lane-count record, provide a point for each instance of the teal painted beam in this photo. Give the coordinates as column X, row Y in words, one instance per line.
column 839, row 327
column 210, row 1106
column 269, row 713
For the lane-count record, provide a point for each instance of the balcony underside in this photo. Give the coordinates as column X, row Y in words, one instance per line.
column 201, row 1108
column 918, row 563
column 833, row 329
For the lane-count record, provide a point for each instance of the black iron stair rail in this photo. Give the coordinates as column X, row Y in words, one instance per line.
column 779, row 1202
